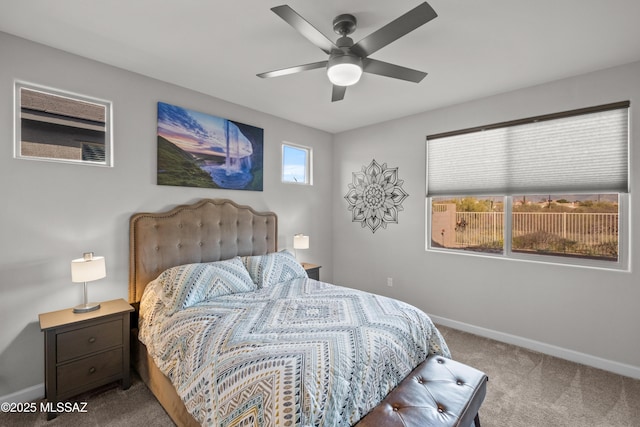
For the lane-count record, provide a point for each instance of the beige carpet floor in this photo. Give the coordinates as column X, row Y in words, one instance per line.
column 530, row 389
column 525, row 389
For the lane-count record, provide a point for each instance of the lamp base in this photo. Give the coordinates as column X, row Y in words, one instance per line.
column 84, row 308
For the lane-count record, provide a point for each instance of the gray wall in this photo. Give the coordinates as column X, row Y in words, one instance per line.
column 582, row 314
column 52, row 212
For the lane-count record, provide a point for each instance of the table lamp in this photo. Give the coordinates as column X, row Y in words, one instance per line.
column 300, row 241
column 87, row 269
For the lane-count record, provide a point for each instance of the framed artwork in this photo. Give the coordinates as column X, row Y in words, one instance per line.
column 200, row 150
column 59, row 126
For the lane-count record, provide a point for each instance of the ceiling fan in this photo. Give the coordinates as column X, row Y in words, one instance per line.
column 347, row 61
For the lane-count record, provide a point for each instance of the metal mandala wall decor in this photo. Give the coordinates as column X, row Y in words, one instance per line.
column 375, row 196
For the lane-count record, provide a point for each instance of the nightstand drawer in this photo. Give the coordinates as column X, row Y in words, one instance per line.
column 88, row 340
column 83, row 351
column 84, row 372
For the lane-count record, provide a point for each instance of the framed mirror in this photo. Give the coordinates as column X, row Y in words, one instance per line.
column 54, row 125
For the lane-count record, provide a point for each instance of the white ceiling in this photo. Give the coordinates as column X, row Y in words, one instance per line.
column 474, row 48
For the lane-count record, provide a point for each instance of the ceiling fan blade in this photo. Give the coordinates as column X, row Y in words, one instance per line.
column 337, row 94
column 381, row 68
column 310, row 32
column 391, row 32
column 293, row 70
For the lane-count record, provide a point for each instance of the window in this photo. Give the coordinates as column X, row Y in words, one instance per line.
column 296, row 164
column 551, row 188
column 58, row 126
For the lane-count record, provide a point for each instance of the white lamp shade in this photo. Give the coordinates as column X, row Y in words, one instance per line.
column 87, row 270
column 300, row 241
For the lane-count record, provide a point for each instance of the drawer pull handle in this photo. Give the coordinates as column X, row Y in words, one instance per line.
column 92, row 370
column 92, row 340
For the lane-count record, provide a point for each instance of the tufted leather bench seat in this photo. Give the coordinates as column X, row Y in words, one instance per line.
column 439, row 392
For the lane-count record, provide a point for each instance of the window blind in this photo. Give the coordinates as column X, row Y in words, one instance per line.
column 572, row 152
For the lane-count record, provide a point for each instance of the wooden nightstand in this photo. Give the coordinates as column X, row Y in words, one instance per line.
column 83, row 351
column 313, row 271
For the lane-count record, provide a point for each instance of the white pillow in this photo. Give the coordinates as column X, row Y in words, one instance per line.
column 268, row 270
column 189, row 284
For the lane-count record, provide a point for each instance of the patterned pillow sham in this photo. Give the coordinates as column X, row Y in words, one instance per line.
column 268, row 270
column 186, row 285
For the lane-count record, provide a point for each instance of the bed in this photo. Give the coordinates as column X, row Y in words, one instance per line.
column 232, row 332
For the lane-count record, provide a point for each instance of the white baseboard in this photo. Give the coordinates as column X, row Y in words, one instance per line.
column 552, row 350
column 28, row 394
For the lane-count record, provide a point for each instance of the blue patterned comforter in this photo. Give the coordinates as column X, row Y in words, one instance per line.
column 300, row 353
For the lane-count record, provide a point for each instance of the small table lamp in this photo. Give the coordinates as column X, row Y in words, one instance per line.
column 87, row 269
column 300, row 241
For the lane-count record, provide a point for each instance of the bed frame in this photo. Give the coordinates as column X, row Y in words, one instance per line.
column 216, row 229
column 206, row 231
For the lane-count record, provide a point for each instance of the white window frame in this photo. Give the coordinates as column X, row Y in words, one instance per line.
column 17, row 130
column 308, row 166
column 622, row 264
column 624, row 218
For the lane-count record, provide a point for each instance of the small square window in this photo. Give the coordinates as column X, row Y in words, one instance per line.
column 60, row 126
column 296, row 164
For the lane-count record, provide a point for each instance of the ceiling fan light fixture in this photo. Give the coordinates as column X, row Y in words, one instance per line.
column 344, row 70
column 347, row 61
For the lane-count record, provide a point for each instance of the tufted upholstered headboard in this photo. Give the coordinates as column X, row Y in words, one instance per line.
column 206, row 231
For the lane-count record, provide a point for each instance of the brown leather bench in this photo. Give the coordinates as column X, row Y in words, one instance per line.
column 439, row 392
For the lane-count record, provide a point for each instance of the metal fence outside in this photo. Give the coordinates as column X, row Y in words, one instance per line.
column 564, row 233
